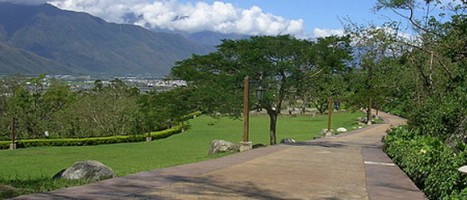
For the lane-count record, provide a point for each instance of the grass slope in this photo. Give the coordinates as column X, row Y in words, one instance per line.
column 20, row 168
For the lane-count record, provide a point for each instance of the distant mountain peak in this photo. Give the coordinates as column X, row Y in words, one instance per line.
column 80, row 43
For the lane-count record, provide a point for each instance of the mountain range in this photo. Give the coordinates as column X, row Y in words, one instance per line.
column 38, row 39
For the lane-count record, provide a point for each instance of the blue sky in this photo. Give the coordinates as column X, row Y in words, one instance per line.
column 321, row 14
column 315, row 13
column 303, row 18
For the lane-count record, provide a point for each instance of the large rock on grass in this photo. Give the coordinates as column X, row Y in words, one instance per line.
column 89, row 169
column 219, row 146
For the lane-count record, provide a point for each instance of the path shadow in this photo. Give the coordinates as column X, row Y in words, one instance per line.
column 318, row 143
column 167, row 187
column 334, row 144
column 210, row 188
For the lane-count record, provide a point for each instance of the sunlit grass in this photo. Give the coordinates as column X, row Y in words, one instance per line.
column 22, row 166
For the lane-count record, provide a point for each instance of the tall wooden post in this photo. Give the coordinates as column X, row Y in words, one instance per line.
column 329, row 113
column 246, row 109
column 13, row 134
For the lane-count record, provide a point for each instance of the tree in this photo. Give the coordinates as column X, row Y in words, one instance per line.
column 277, row 63
column 375, row 51
column 331, row 57
column 103, row 111
column 437, row 59
column 435, row 92
column 164, row 109
column 8, row 86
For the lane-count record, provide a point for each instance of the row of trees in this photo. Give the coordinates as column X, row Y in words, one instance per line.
column 416, row 68
column 292, row 71
column 105, row 110
column 428, row 73
column 372, row 67
column 420, row 75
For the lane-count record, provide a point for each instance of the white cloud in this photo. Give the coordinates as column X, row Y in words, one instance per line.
column 318, row 32
column 173, row 15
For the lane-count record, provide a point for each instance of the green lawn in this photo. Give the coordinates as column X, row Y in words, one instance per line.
column 191, row 146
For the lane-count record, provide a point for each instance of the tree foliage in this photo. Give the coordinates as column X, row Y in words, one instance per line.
column 41, row 106
column 428, row 80
column 332, row 59
column 277, row 63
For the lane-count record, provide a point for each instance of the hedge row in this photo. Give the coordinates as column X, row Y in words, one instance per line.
column 190, row 116
column 430, row 163
column 95, row 140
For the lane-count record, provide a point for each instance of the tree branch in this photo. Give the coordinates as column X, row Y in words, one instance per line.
column 438, row 58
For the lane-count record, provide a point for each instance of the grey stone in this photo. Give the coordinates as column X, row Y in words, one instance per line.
column 88, row 169
column 326, row 132
column 219, row 146
column 361, row 119
column 323, row 131
column 463, row 169
column 287, row 141
column 361, row 124
column 341, row 130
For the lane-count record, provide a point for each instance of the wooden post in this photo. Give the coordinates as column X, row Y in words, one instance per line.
column 329, row 113
column 13, row 134
column 246, row 109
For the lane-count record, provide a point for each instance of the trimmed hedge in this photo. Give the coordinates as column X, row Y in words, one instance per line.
column 96, row 140
column 430, row 163
column 102, row 140
column 191, row 116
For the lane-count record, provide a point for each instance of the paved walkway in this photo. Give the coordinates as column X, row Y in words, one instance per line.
column 348, row 166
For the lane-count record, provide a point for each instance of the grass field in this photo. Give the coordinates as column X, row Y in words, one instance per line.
column 41, row 163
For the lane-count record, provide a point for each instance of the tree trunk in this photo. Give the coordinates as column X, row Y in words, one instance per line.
column 272, row 126
column 368, row 110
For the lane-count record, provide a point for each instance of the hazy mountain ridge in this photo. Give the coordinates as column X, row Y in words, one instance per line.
column 14, row 60
column 213, row 38
column 66, row 41
column 209, row 38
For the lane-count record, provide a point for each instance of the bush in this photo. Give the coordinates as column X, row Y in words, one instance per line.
column 429, row 162
column 95, row 140
column 437, row 117
column 190, row 116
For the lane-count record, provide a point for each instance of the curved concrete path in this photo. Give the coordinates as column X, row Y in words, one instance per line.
column 348, row 166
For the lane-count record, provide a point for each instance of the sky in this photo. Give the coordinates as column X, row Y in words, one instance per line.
column 302, row 18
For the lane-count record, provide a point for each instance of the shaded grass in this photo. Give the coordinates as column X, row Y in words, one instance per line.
column 15, row 187
column 25, row 168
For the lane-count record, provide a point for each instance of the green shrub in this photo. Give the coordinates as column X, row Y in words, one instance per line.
column 4, row 144
column 430, row 163
column 439, row 115
column 191, row 116
column 95, row 140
